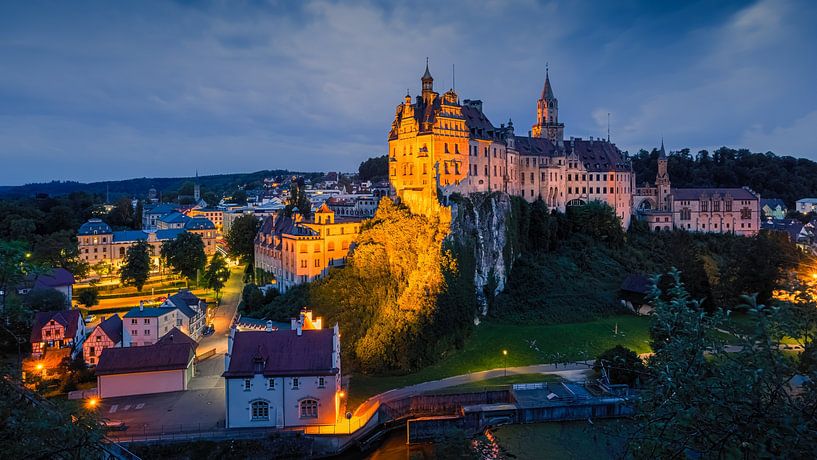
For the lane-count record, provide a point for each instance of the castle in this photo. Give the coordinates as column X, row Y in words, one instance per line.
column 438, row 145
column 436, row 142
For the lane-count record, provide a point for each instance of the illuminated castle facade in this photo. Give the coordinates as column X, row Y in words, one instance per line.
column 437, row 143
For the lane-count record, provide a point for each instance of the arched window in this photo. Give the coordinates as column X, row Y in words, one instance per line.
column 260, row 410
column 309, row 408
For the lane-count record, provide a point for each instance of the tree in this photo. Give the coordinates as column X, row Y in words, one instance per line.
column 45, row 299
column 216, row 273
column 704, row 400
column 59, row 249
column 241, row 238
column 251, row 298
column 45, row 429
column 374, row 168
column 121, row 216
column 137, row 214
column 185, row 254
column 211, row 198
column 298, row 199
column 136, row 267
column 13, row 266
column 88, row 297
column 621, row 364
column 239, row 197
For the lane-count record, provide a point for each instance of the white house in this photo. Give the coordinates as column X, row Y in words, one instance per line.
column 281, row 378
column 143, row 326
column 192, row 312
column 806, row 205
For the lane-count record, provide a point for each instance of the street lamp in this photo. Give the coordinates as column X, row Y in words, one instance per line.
column 92, row 402
column 505, row 359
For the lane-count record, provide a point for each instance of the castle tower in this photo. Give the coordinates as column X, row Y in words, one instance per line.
column 547, row 114
column 197, row 188
column 428, row 82
column 662, row 180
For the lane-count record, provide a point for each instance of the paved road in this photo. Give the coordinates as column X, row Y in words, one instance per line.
column 223, row 318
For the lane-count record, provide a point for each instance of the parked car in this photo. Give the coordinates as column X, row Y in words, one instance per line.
column 208, row 330
column 113, row 425
column 160, row 299
column 90, row 318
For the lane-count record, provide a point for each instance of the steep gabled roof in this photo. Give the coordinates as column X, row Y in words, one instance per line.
column 282, row 353
column 57, row 277
column 176, row 336
column 112, row 327
column 69, row 319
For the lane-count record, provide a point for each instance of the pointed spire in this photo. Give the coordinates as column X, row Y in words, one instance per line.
column 547, row 91
column 427, row 75
column 662, row 153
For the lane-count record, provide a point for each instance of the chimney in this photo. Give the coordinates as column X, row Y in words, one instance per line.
column 300, row 326
column 141, row 305
column 269, row 326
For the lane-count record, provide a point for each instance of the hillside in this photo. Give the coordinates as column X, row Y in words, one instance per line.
column 139, row 187
column 770, row 175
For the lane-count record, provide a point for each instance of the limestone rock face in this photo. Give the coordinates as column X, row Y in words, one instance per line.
column 480, row 224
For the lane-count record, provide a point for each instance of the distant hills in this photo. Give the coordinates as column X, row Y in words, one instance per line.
column 218, row 183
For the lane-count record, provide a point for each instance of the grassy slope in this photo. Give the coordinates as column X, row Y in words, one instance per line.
column 571, row 440
column 483, row 350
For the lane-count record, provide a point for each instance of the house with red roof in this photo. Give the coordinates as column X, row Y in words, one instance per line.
column 168, row 365
column 281, row 378
column 56, row 329
column 108, row 334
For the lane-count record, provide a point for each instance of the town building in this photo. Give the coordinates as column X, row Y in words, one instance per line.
column 806, row 205
column 163, row 367
column 214, row 215
column 296, row 251
column 97, row 242
column 363, row 205
column 437, row 142
column 773, row 208
column 192, row 312
column 107, row 334
column 152, row 214
column 708, row 210
column 56, row 329
column 260, row 212
column 143, row 326
column 58, row 279
column 283, row 378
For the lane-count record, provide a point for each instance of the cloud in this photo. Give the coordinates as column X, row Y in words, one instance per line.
column 797, row 139
column 150, row 89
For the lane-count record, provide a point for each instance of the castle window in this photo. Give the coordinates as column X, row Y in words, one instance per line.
column 716, row 206
column 456, row 148
column 728, row 206
column 446, row 147
column 746, row 213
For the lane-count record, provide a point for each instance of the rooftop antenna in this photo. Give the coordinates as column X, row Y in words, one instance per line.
column 608, row 126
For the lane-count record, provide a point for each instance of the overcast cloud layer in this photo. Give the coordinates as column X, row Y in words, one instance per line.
column 109, row 90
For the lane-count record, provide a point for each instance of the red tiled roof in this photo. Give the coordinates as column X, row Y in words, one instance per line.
column 69, row 319
column 164, row 357
column 282, row 353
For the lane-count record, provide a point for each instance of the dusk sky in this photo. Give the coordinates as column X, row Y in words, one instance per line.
column 111, row 90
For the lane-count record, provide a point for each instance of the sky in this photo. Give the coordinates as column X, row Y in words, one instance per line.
column 116, row 89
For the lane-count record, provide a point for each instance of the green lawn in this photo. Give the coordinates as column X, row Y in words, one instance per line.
column 483, row 350
column 568, row 440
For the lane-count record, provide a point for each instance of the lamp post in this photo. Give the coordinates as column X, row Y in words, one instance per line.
column 505, row 361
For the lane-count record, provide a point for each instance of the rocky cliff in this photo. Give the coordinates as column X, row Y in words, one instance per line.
column 482, row 224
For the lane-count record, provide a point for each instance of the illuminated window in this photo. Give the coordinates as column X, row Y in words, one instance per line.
column 309, row 408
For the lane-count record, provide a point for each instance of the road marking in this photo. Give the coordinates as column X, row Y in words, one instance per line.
column 113, row 408
column 139, row 406
column 126, row 407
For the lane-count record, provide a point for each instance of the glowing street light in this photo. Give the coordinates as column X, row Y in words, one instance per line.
column 505, row 359
column 92, row 402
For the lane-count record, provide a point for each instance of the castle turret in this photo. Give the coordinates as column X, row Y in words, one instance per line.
column 547, row 114
column 428, row 81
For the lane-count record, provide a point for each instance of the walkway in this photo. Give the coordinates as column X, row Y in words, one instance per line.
column 573, row 371
column 223, row 318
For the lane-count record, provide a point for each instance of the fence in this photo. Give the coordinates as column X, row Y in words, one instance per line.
column 447, row 404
